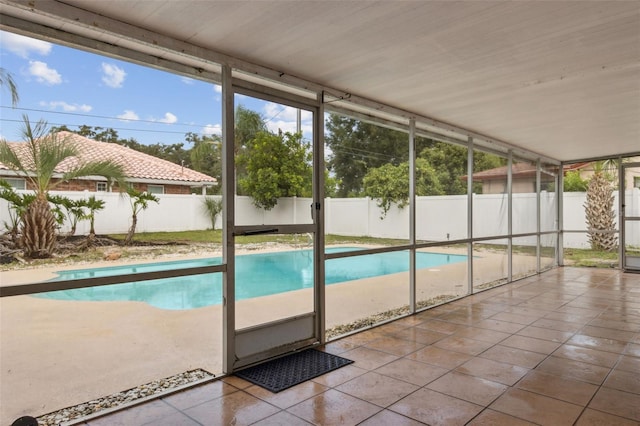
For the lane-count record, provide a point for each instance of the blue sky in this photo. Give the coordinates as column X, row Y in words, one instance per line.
column 72, row 87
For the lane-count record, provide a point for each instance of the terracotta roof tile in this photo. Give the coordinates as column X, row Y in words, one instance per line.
column 136, row 164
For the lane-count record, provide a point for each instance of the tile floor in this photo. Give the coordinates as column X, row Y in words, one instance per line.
column 562, row 348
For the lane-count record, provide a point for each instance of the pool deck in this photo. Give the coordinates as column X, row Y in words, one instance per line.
column 86, row 350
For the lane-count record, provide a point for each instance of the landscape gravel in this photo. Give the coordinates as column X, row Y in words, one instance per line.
column 120, row 398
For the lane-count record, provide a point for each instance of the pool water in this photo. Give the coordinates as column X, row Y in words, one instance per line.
column 256, row 275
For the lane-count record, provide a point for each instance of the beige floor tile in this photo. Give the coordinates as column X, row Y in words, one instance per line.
column 287, row 397
column 237, row 408
column 567, row 317
column 496, row 418
column 615, row 325
column 363, row 337
column 377, row 389
column 338, row 346
column 504, row 326
column 198, row 395
column 608, row 333
column 625, row 381
column 588, row 355
column 236, row 382
column 463, row 345
column 515, row 318
column 618, row 403
column 395, row 346
column 545, row 334
column 369, row 359
column 574, row 370
column 500, row 372
column 633, row 349
column 389, row 418
column 282, row 418
column 334, row 408
column 148, row 412
column 339, row 376
column 411, row 371
column 629, row 363
column 441, row 326
column 436, row 409
column 598, row 418
column 469, row 388
column 557, row 325
column 420, row 335
column 439, row 357
column 536, row 408
column 561, row 388
column 530, row 344
column 482, row 334
column 513, row 356
column 600, row 343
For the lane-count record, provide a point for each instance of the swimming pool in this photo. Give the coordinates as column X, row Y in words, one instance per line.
column 257, row 275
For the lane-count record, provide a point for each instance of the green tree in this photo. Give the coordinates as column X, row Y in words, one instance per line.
column 212, row 207
column 276, row 166
column 206, row 155
column 17, row 205
column 43, row 153
column 247, row 125
column 356, row 147
column 389, row 184
column 139, row 201
column 573, row 182
column 93, row 205
column 73, row 210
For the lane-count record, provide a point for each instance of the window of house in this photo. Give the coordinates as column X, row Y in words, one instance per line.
column 16, row 183
column 101, row 187
column 155, row 189
column 636, row 181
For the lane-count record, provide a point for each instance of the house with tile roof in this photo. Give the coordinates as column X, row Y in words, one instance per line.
column 144, row 172
column 523, row 177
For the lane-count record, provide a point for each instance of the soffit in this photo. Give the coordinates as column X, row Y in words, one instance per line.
column 558, row 78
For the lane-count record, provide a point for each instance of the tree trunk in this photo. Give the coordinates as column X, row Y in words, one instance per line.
column 132, row 230
column 38, row 230
column 600, row 215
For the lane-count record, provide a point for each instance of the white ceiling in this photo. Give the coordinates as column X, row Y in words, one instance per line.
column 558, row 78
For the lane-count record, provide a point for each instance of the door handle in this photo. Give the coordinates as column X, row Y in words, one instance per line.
column 259, row 232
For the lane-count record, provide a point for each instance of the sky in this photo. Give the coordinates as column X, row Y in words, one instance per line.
column 66, row 86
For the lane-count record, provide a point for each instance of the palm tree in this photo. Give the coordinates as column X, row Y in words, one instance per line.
column 600, row 215
column 45, row 151
column 139, row 201
column 7, row 79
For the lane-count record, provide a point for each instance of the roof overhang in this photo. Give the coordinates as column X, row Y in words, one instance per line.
column 560, row 79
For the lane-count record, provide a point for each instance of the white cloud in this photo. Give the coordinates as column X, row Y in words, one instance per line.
column 212, row 129
column 285, row 118
column 168, row 118
column 128, row 115
column 67, row 107
column 217, row 88
column 23, row 46
column 113, row 76
column 187, row 80
column 43, row 73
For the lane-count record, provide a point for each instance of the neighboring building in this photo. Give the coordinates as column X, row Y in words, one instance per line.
column 523, row 177
column 144, row 172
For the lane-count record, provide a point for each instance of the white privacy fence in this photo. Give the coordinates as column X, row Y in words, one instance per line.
column 438, row 218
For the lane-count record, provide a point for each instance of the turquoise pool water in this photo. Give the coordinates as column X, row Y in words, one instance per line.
column 257, row 275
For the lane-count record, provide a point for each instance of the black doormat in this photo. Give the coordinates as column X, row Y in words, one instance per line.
column 282, row 373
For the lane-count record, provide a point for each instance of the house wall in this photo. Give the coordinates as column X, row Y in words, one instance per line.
column 90, row 185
